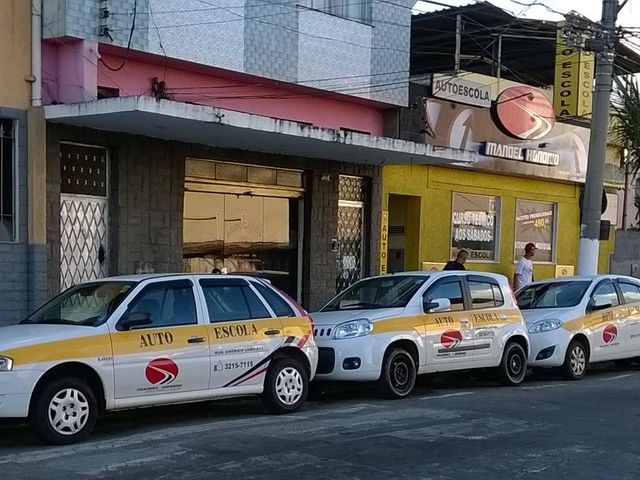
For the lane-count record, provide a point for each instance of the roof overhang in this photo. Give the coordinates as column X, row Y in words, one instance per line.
column 205, row 125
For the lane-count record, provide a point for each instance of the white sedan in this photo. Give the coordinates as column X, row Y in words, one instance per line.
column 390, row 329
column 574, row 321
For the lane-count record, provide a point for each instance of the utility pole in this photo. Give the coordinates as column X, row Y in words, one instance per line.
column 593, row 189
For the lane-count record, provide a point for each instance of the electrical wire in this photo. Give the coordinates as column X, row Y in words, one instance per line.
column 133, row 28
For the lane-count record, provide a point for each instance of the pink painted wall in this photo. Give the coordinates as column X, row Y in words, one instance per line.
column 241, row 93
column 69, row 70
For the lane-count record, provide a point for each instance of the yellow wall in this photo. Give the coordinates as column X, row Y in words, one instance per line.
column 434, row 185
column 15, row 53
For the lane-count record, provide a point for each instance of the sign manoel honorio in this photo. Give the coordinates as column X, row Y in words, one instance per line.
column 456, row 89
column 573, row 86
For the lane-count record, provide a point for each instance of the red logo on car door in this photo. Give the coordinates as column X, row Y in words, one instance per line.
column 451, row 338
column 161, row 371
column 609, row 334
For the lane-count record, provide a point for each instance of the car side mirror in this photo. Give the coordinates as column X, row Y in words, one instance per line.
column 133, row 321
column 601, row 304
column 437, row 305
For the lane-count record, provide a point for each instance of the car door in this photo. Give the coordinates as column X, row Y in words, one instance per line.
column 606, row 324
column 631, row 296
column 449, row 336
column 159, row 344
column 243, row 332
column 487, row 317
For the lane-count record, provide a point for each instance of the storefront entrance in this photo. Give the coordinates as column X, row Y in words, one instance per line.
column 244, row 219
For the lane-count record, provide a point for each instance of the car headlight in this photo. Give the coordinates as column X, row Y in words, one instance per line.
column 6, row 364
column 353, row 329
column 545, row 326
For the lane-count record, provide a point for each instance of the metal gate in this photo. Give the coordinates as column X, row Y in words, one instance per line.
column 83, row 214
column 350, row 231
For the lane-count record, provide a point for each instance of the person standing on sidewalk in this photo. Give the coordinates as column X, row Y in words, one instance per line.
column 458, row 263
column 524, row 270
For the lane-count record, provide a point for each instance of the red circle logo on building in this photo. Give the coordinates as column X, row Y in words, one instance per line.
column 451, row 338
column 609, row 334
column 161, row 371
column 525, row 113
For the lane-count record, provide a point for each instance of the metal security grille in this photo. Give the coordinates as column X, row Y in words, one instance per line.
column 350, row 231
column 83, row 239
column 7, row 143
column 83, row 214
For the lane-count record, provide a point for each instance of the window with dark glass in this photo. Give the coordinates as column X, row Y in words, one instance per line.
column 358, row 10
column 485, row 294
column 630, row 292
column 451, row 290
column 7, row 177
column 607, row 292
column 167, row 304
column 277, row 303
column 232, row 302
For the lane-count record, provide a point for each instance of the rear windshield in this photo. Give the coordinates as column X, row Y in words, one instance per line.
column 378, row 292
column 552, row 295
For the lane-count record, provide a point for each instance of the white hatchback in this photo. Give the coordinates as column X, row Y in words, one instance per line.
column 574, row 321
column 392, row 328
column 139, row 341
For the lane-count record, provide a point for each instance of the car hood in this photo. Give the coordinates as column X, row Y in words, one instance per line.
column 335, row 318
column 535, row 315
column 17, row 336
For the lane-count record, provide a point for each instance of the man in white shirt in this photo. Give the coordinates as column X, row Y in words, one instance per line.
column 524, row 270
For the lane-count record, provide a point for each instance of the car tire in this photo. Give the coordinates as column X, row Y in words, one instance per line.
column 513, row 367
column 286, row 386
column 576, row 361
column 64, row 412
column 399, row 374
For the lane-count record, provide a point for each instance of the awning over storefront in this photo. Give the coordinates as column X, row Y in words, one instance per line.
column 169, row 120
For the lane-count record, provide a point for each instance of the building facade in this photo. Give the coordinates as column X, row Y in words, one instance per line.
column 22, row 247
column 245, row 138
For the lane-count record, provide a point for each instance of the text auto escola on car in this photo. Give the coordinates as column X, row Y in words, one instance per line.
column 391, row 328
column 149, row 340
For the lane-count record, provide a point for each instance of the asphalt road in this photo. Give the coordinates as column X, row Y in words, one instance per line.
column 456, row 428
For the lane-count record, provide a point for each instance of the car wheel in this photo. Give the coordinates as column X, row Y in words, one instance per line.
column 513, row 367
column 398, row 374
column 576, row 361
column 65, row 411
column 286, row 386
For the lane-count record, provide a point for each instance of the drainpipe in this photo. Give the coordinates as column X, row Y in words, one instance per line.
column 36, row 53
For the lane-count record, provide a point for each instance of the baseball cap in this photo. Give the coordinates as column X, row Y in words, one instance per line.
column 530, row 246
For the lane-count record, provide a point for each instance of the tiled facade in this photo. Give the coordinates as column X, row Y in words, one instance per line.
column 278, row 40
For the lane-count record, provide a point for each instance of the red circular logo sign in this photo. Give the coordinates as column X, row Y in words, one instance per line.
column 451, row 338
column 161, row 371
column 609, row 334
column 525, row 113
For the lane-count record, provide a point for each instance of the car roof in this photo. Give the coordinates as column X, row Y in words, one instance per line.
column 154, row 276
column 443, row 273
column 587, row 278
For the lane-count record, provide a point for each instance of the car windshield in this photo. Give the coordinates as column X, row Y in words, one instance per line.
column 552, row 295
column 87, row 305
column 378, row 292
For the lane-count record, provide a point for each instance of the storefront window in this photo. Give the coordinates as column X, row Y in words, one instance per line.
column 242, row 234
column 475, row 221
column 536, row 223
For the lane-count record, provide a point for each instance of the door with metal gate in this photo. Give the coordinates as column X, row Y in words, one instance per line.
column 350, row 255
column 84, row 213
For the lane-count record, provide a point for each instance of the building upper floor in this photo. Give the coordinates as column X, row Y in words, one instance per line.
column 15, row 54
column 357, row 48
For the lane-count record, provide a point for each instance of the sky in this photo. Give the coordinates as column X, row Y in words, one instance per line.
column 629, row 16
